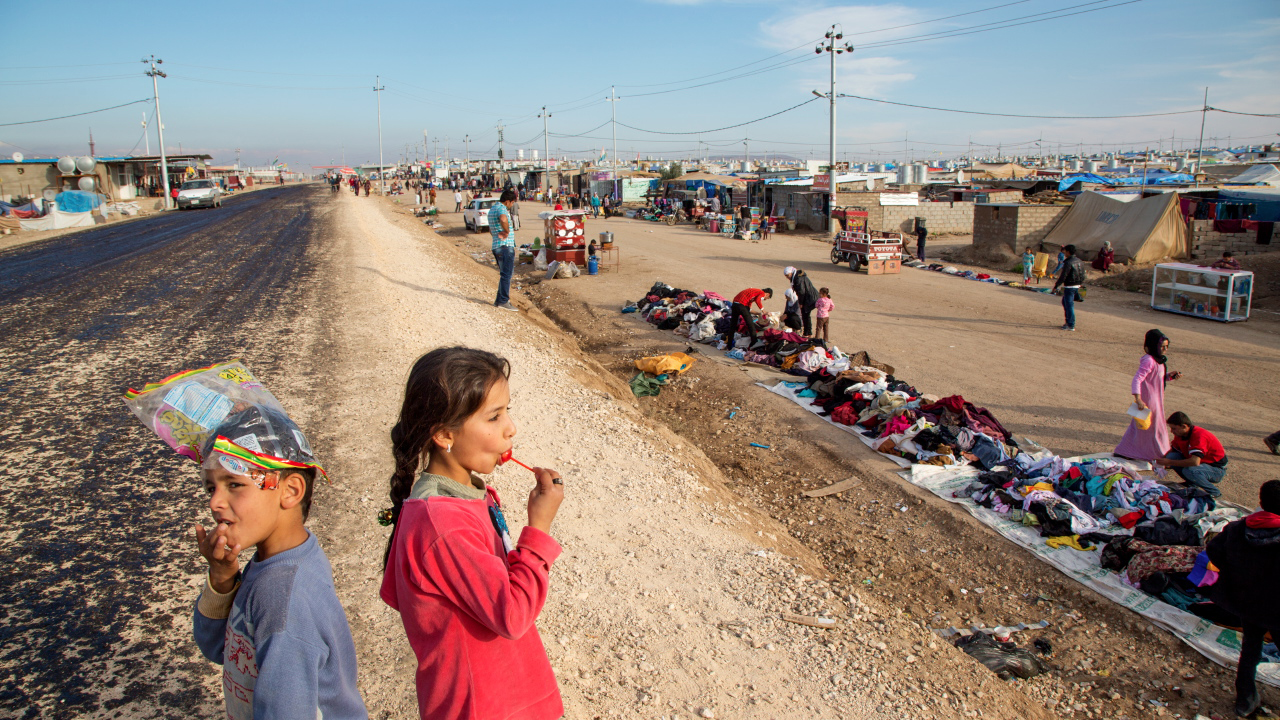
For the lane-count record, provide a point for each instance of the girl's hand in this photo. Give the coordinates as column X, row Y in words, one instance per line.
column 224, row 560
column 545, row 499
column 1175, row 375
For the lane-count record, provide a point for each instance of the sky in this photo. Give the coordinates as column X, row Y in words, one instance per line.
column 295, row 81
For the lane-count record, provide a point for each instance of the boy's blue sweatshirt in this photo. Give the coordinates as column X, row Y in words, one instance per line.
column 283, row 640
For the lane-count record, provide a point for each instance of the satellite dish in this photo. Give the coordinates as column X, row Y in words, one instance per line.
column 17, row 157
column 86, row 184
column 49, row 194
column 85, row 164
column 66, row 165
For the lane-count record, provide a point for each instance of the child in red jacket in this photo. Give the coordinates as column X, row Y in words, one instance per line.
column 467, row 595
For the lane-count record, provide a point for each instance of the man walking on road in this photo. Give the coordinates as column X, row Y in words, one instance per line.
column 1070, row 280
column 457, row 201
column 504, row 246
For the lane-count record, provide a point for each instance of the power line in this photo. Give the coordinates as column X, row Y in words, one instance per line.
column 943, row 35
column 64, row 117
column 926, row 22
column 777, row 66
column 1038, row 117
column 584, row 133
column 805, row 44
column 1233, row 112
column 727, row 127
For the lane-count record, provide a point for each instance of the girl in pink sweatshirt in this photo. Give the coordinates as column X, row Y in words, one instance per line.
column 468, row 595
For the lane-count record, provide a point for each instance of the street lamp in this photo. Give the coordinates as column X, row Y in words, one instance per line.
column 829, row 46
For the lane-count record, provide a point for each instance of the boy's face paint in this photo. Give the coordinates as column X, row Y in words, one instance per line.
column 486, row 435
column 247, row 503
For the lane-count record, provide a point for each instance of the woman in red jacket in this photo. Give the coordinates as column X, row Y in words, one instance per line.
column 467, row 595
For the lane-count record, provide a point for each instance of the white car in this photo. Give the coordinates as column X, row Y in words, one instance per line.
column 195, row 193
column 476, row 214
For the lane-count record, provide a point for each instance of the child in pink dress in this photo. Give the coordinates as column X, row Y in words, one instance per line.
column 1148, row 393
column 824, row 307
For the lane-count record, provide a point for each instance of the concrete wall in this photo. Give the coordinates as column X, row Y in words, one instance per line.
column 1013, row 227
column 1209, row 244
column 939, row 217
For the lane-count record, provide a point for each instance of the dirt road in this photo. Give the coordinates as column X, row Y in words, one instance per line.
column 902, row 545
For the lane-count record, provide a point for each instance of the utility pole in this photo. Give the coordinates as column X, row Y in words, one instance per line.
column 498, row 179
column 613, row 110
column 546, row 149
column 378, row 88
column 153, row 73
column 466, row 139
column 145, row 136
column 1200, row 145
column 832, row 35
column 746, row 142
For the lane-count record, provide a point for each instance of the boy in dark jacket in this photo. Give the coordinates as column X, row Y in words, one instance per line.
column 807, row 294
column 1070, row 280
column 1247, row 555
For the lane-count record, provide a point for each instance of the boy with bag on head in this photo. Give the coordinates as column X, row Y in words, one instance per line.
column 276, row 625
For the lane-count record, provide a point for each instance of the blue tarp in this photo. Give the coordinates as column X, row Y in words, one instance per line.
column 77, row 201
column 1267, row 201
column 1154, row 178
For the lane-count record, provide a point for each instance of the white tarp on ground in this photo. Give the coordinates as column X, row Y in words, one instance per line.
column 56, row 220
column 1217, row 643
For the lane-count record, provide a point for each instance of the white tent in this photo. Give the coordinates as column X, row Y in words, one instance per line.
column 1268, row 175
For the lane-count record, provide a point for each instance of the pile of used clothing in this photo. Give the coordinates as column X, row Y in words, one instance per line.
column 705, row 317
column 971, row 275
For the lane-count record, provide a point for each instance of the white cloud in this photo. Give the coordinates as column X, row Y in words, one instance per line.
column 855, row 20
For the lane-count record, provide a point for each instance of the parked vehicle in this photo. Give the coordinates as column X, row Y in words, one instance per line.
column 476, row 214
column 197, row 193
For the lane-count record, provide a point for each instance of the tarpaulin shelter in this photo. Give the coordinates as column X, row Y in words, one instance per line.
column 1268, row 175
column 694, row 180
column 1144, row 230
column 1155, row 177
column 1001, row 171
column 1266, row 199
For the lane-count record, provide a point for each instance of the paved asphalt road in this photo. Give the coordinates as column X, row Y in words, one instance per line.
column 96, row 511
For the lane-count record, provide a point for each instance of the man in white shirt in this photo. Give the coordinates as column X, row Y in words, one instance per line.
column 457, row 201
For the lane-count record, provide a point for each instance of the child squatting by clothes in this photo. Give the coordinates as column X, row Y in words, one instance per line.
column 467, row 595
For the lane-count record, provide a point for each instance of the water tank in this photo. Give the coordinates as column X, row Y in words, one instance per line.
column 66, row 165
column 922, row 173
column 881, row 167
column 86, row 164
column 905, row 174
column 1091, row 166
column 1074, row 165
column 86, row 184
column 1180, row 165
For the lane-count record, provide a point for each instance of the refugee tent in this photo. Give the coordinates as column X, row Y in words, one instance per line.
column 1001, row 171
column 1268, row 175
column 1144, row 230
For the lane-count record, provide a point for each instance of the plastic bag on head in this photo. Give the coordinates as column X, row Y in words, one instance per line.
column 190, row 409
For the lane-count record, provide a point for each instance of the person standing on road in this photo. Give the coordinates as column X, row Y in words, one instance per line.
column 825, row 306
column 741, row 310
column 922, row 234
column 808, row 296
column 504, row 246
column 1148, row 394
column 1247, row 555
column 457, row 201
column 433, row 194
column 1070, row 279
column 595, row 205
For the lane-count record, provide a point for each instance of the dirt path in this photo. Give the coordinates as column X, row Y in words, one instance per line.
column 904, row 546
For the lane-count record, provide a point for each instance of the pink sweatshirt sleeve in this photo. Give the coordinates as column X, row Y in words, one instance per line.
column 1145, row 368
column 504, row 599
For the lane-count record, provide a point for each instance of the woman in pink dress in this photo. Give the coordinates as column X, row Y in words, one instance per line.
column 1148, row 393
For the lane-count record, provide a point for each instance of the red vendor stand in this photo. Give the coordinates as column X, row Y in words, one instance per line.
column 567, row 234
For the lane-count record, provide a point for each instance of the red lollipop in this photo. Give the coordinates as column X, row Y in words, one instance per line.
column 507, row 456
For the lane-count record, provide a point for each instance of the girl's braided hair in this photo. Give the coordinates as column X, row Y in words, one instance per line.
column 445, row 387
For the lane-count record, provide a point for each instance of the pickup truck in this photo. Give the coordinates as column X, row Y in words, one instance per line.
column 476, row 214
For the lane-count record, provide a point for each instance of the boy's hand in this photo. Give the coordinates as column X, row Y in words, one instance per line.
column 224, row 559
column 545, row 499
